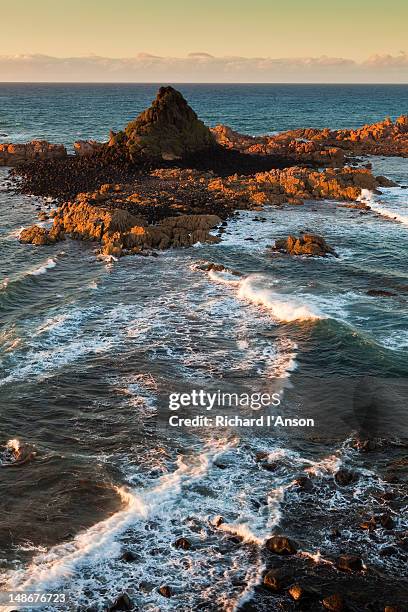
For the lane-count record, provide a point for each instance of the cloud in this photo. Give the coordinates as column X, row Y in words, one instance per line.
column 203, row 67
column 399, row 61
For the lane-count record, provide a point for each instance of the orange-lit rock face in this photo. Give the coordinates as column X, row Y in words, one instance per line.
column 117, row 216
column 324, row 147
column 15, row 154
column 280, row 145
column 382, row 138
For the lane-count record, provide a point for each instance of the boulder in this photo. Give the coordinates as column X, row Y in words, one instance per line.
column 311, row 245
column 383, row 181
column 297, row 592
column 123, row 602
column 386, row 521
column 35, row 235
column 128, row 556
column 345, row 477
column 276, row 579
column 334, row 603
column 349, row 563
column 168, row 130
column 182, row 543
column 304, row 483
column 165, row 590
column 281, row 545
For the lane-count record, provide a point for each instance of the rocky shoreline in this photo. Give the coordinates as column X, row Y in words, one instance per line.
column 167, row 165
column 167, row 181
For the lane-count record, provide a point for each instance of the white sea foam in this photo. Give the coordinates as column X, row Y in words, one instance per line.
column 391, row 205
column 224, row 277
column 50, row 263
column 283, row 308
column 100, row 541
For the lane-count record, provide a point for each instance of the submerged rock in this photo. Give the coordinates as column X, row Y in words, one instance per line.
column 311, row 245
column 380, row 293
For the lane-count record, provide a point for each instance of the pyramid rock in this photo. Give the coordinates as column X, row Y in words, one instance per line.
column 169, row 129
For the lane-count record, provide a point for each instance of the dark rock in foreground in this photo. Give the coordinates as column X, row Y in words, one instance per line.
column 123, row 602
column 281, row 545
column 165, row 590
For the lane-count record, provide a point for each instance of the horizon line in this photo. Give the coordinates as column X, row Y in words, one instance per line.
column 349, row 83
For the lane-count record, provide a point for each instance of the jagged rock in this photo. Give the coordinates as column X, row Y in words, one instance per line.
column 281, row 545
column 280, row 145
column 85, row 148
column 16, row 154
column 35, row 235
column 311, row 245
column 168, row 130
column 383, row 138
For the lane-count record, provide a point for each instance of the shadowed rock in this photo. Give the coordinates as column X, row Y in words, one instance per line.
column 281, row 545
column 168, row 130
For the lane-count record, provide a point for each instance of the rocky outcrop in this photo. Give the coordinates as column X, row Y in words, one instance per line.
column 177, row 207
column 16, row 154
column 310, row 245
column 86, row 148
column 40, row 236
column 293, row 186
column 168, row 130
column 121, row 232
column 300, row 150
column 383, row 138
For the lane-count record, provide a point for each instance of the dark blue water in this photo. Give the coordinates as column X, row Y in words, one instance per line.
column 68, row 112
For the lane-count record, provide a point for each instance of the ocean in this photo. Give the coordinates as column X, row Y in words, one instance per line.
column 90, row 350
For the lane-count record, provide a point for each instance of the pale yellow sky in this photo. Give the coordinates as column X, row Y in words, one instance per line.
column 267, row 28
column 247, row 41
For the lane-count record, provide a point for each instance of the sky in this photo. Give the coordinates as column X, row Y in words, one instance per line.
column 204, row 40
